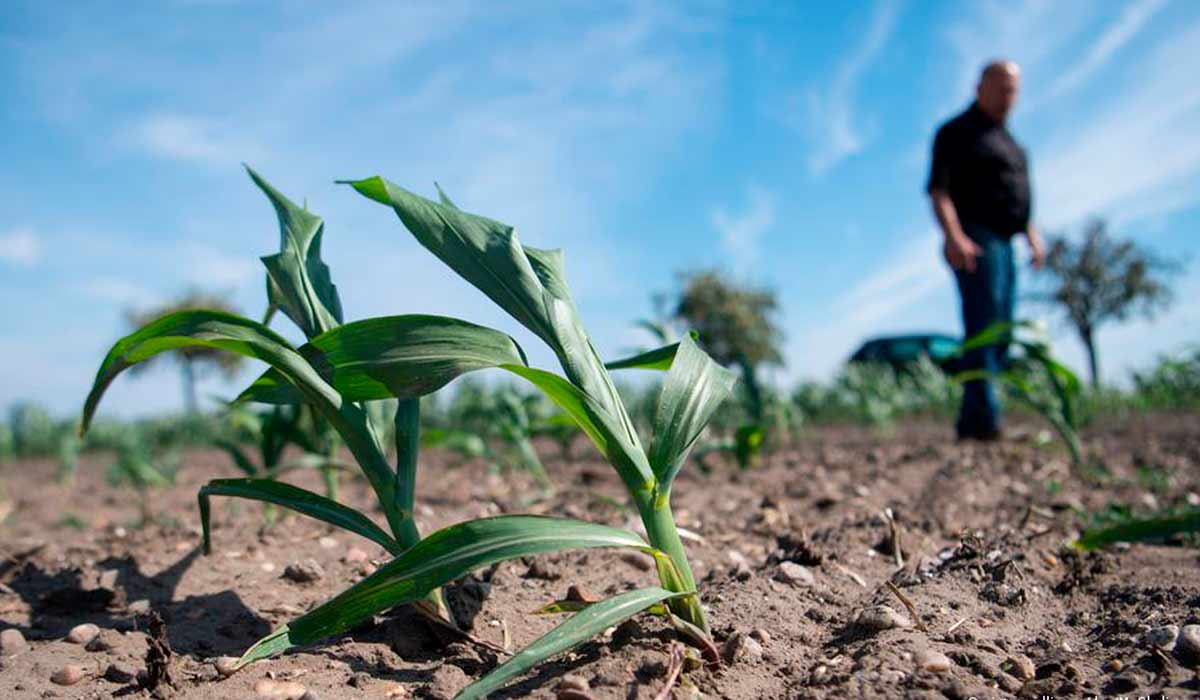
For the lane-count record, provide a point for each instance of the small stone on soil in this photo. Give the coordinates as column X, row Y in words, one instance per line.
column 226, row 666
column 446, row 682
column 327, row 542
column 880, row 618
column 930, row 660
column 118, row 672
column 82, row 634
column 12, row 642
column 279, row 690
column 1188, row 645
column 573, row 682
column 741, row 647
column 795, row 574
column 354, row 555
column 305, row 571
column 1020, row 667
column 67, row 675
column 1163, row 637
column 138, row 607
column 104, row 641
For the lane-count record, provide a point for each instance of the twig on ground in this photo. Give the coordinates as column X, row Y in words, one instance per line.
column 912, row 610
column 956, row 625
column 853, row 576
column 674, row 668
column 894, row 535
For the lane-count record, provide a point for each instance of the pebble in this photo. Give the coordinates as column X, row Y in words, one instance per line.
column 82, row 634
column 741, row 647
column 104, row 641
column 881, row 617
column 761, row 635
column 12, row 642
column 573, row 682
column 67, row 675
column 354, row 555
column 226, row 665
column 118, row 672
column 1163, row 637
column 795, row 574
column 1020, row 667
column 279, row 690
column 140, row 606
column 1188, row 644
column 1114, row 666
column 327, row 542
column 930, row 660
column 305, row 571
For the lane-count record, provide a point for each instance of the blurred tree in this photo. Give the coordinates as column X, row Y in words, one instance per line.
column 193, row 361
column 735, row 326
column 1099, row 279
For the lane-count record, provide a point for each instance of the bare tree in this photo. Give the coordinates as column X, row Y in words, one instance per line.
column 192, row 360
column 1100, row 279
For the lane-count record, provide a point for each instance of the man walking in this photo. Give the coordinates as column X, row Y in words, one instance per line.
column 979, row 188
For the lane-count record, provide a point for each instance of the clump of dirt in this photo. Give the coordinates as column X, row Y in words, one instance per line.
column 808, row 567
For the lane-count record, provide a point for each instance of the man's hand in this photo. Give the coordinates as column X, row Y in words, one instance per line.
column 961, row 252
column 1037, row 248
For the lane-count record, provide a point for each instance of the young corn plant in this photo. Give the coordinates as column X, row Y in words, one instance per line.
column 1035, row 378
column 405, row 357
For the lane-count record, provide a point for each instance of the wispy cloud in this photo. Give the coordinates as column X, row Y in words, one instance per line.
column 1115, row 36
column 742, row 232
column 190, row 138
column 1139, row 143
column 20, row 247
column 831, row 113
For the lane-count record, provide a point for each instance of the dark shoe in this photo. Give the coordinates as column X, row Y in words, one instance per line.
column 992, row 435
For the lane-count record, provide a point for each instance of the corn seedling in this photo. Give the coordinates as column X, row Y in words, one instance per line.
column 405, row 357
column 1125, row 527
column 1034, row 377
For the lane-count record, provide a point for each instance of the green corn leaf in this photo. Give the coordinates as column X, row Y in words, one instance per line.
column 393, row 356
column 440, row 558
column 693, row 389
column 249, row 338
column 482, row 251
column 298, row 282
column 239, row 458
column 1139, row 530
column 658, row 358
column 209, row 329
column 295, row 498
column 528, row 283
column 581, row 626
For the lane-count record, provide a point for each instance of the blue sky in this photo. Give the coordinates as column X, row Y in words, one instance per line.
column 786, row 142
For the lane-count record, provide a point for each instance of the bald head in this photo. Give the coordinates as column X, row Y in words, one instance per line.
column 998, row 87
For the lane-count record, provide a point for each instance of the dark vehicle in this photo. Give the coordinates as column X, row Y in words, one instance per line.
column 901, row 350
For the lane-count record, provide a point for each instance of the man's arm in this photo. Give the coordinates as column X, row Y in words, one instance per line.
column 960, row 251
column 1036, row 246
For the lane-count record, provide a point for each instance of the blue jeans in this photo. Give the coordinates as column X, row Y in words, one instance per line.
column 987, row 296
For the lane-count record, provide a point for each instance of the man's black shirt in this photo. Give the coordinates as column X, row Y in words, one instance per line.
column 977, row 162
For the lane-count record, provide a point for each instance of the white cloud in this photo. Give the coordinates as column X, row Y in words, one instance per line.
column 1115, row 37
column 20, row 247
column 119, row 291
column 209, row 268
column 1141, row 143
column 741, row 233
column 830, row 115
column 189, row 138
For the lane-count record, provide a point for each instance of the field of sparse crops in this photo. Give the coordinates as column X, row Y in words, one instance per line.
column 351, row 527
